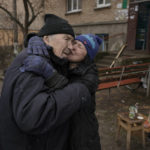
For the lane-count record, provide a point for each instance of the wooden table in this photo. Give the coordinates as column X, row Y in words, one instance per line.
column 130, row 125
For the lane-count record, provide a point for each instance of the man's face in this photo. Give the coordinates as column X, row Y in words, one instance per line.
column 61, row 43
column 78, row 52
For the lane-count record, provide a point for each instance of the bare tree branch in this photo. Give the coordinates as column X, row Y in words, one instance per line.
column 31, row 7
column 25, row 32
column 34, row 17
column 30, row 12
column 42, row 3
column 33, row 13
column 26, row 12
column 15, row 24
column 12, row 17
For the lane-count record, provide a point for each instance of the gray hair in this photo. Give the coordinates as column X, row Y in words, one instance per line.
column 50, row 37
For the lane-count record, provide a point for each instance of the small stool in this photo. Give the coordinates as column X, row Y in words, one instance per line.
column 129, row 125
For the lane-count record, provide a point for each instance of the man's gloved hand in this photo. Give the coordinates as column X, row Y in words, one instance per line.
column 38, row 65
column 36, row 46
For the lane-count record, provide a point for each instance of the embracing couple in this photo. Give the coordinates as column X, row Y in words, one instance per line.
column 48, row 95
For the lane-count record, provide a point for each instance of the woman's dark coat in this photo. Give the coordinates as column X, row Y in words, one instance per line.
column 84, row 124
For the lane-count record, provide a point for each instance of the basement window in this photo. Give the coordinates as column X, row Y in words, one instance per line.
column 73, row 6
column 104, row 45
column 103, row 3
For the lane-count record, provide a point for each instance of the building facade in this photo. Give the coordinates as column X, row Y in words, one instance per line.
column 106, row 18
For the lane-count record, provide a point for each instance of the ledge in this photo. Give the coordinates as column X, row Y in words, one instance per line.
column 101, row 23
column 136, row 2
column 73, row 12
column 102, row 7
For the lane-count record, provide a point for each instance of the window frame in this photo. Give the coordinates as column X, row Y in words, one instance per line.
column 103, row 5
column 73, row 10
column 105, row 41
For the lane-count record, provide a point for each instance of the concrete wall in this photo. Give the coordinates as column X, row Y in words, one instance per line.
column 110, row 20
column 117, row 32
column 89, row 12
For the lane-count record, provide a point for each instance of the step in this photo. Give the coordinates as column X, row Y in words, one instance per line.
column 109, row 57
column 105, row 59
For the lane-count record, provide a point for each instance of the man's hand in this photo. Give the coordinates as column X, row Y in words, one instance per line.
column 38, row 65
column 36, row 46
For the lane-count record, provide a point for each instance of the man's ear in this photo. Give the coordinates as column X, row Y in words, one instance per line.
column 46, row 40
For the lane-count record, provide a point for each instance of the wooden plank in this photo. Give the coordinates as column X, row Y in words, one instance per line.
column 119, row 53
column 137, row 71
column 102, row 86
column 120, row 67
column 117, row 77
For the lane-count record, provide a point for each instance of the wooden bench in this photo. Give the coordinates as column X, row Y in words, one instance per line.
column 123, row 75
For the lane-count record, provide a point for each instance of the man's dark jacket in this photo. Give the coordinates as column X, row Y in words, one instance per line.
column 33, row 117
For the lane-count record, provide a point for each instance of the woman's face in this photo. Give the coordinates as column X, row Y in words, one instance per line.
column 78, row 52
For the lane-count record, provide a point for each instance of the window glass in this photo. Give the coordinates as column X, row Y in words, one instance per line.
column 80, row 4
column 74, row 4
column 69, row 5
column 105, row 38
column 101, row 1
column 108, row 1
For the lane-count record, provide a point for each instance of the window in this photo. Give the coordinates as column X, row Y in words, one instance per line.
column 74, row 5
column 103, row 3
column 124, row 4
column 104, row 45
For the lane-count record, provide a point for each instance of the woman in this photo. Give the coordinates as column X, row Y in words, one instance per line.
column 84, row 124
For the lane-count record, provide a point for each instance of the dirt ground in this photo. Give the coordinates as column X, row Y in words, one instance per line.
column 106, row 111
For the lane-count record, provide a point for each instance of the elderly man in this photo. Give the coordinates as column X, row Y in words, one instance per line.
column 34, row 116
column 84, row 125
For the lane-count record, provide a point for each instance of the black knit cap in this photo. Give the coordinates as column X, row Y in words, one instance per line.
column 55, row 25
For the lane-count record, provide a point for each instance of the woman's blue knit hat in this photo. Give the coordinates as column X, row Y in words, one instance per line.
column 91, row 42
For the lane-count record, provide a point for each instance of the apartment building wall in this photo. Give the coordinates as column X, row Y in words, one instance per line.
column 89, row 13
column 108, row 21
